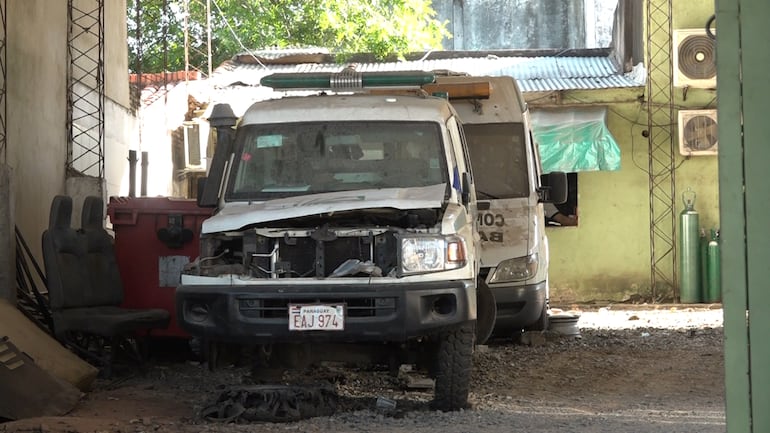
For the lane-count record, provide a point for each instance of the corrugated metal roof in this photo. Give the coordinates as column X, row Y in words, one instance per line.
column 533, row 73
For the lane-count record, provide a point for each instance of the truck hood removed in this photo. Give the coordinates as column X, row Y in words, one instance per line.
column 237, row 215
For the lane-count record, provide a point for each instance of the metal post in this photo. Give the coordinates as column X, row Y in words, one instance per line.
column 744, row 202
column 660, row 121
column 208, row 37
column 132, row 173
column 145, row 164
column 85, row 87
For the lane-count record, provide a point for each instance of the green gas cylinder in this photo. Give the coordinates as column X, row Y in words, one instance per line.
column 703, row 243
column 714, row 283
column 689, row 251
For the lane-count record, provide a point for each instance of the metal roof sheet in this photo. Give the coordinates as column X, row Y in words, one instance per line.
column 534, row 74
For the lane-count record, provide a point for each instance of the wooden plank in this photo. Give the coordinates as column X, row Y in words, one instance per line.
column 26, row 391
column 44, row 349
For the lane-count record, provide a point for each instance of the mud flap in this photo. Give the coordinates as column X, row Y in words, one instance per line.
column 486, row 313
column 27, row 391
column 272, row 403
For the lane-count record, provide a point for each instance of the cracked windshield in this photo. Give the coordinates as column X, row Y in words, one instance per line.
column 292, row 159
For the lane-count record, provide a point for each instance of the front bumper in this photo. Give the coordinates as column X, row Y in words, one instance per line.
column 381, row 312
column 519, row 306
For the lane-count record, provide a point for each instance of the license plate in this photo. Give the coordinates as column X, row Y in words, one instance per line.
column 316, row 317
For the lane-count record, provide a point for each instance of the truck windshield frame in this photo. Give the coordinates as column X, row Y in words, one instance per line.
column 498, row 153
column 301, row 158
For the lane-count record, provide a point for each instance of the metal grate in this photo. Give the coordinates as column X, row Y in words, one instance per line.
column 660, row 123
column 85, row 87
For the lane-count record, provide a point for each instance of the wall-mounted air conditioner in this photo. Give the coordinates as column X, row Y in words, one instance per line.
column 694, row 55
column 698, row 132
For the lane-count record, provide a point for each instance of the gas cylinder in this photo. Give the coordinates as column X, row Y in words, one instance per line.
column 704, row 263
column 689, row 251
column 714, row 285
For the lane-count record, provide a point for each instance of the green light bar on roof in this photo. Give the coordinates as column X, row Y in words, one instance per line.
column 347, row 80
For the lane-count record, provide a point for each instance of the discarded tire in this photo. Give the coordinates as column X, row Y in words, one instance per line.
column 272, row 403
column 454, row 361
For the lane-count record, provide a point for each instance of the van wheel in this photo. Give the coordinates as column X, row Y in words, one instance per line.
column 454, row 361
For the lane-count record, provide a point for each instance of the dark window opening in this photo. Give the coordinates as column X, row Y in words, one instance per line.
column 564, row 214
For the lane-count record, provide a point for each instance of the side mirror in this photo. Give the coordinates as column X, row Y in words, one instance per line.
column 466, row 185
column 554, row 187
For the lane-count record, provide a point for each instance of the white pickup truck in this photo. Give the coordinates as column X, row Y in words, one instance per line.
column 345, row 226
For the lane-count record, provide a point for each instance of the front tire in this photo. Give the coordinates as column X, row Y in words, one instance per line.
column 454, row 362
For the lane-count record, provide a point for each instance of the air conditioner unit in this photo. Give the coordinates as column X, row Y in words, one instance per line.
column 694, row 59
column 698, row 132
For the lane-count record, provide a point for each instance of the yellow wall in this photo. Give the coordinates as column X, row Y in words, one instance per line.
column 607, row 257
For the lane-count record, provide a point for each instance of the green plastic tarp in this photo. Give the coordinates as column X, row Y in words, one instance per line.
column 575, row 140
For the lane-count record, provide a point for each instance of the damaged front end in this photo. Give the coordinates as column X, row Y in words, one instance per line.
column 368, row 274
column 355, row 243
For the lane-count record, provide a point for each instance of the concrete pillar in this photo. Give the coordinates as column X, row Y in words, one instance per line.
column 7, row 237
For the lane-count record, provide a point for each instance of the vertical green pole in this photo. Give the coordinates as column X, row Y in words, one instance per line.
column 732, row 218
column 742, row 64
column 755, row 33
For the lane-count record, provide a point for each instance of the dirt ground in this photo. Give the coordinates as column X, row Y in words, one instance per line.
column 661, row 367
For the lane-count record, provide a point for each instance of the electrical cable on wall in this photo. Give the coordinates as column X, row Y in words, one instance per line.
column 709, row 23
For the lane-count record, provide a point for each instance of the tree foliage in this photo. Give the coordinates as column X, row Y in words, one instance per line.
column 380, row 27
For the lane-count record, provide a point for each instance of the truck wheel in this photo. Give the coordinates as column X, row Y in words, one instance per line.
column 454, row 361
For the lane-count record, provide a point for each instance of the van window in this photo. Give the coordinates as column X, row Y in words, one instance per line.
column 499, row 159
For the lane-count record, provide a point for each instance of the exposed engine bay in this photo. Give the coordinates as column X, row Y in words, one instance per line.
column 354, row 243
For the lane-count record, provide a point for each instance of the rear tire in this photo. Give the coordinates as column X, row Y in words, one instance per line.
column 454, row 362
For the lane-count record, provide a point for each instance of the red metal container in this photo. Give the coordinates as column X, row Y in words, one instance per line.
column 154, row 238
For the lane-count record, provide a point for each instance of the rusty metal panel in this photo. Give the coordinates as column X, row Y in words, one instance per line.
column 27, row 391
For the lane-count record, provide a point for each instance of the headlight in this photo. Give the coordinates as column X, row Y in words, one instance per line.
column 517, row 269
column 431, row 254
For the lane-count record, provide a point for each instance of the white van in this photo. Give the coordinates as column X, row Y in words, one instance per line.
column 510, row 189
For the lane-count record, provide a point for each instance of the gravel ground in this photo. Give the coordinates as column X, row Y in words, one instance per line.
column 643, row 369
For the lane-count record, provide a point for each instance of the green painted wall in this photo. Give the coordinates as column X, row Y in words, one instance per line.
column 607, row 257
